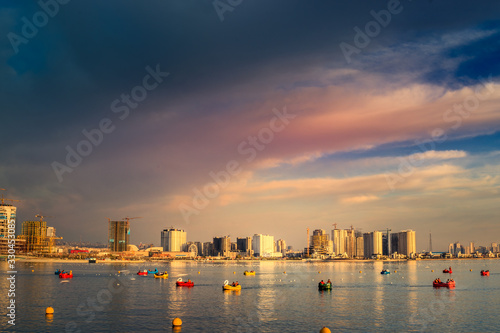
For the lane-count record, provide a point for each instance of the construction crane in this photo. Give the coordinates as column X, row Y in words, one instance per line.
column 307, row 242
column 42, row 216
column 125, row 218
column 131, row 218
column 430, row 241
column 2, row 199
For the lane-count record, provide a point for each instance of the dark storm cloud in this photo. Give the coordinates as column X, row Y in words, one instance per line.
column 65, row 78
column 92, row 51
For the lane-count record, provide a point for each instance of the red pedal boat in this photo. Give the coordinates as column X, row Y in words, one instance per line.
column 450, row 284
column 485, row 273
column 66, row 275
column 142, row 272
column 447, row 270
column 181, row 283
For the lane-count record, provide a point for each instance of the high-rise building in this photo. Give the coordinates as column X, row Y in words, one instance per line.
column 339, row 241
column 494, row 247
column 173, row 240
column 404, row 243
column 360, row 253
column 35, row 234
column 244, row 244
column 320, row 244
column 372, row 244
column 457, row 249
column 7, row 213
column 208, row 249
column 472, row 248
column 263, row 245
column 344, row 242
column 118, row 235
column 222, row 246
column 199, row 246
column 359, row 245
column 281, row 246
column 385, row 244
column 350, row 243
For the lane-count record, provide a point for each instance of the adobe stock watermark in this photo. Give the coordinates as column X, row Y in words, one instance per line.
column 253, row 320
column 30, row 28
column 222, row 6
column 249, row 148
column 372, row 29
column 120, row 106
column 425, row 316
column 87, row 310
column 454, row 116
column 11, row 272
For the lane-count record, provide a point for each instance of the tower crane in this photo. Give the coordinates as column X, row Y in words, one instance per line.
column 307, row 242
column 131, row 218
column 42, row 216
column 2, row 199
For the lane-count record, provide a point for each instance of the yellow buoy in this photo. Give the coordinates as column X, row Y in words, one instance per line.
column 319, row 272
column 325, row 330
column 49, row 310
column 395, row 271
column 284, row 272
column 234, row 272
column 360, row 271
column 471, row 270
column 177, row 322
column 432, row 270
column 32, row 270
column 119, row 272
column 198, row 272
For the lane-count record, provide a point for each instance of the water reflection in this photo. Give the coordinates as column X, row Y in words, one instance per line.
column 380, row 302
column 412, row 270
column 269, row 302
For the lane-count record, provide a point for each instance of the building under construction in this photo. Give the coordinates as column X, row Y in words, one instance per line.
column 118, row 235
column 37, row 239
column 320, row 244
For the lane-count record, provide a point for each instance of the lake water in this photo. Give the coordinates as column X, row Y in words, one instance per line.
column 99, row 299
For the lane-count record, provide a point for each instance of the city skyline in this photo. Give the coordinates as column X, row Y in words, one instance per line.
column 125, row 226
column 372, row 114
column 173, row 239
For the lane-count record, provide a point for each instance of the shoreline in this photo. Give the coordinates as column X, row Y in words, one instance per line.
column 76, row 261
column 212, row 261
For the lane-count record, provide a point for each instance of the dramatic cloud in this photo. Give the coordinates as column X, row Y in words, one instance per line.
column 262, row 124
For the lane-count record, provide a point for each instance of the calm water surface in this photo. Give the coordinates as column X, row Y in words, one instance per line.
column 99, row 299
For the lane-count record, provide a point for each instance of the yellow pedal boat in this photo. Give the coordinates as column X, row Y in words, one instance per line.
column 161, row 275
column 227, row 286
column 249, row 273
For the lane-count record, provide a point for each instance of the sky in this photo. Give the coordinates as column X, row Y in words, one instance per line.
column 244, row 117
